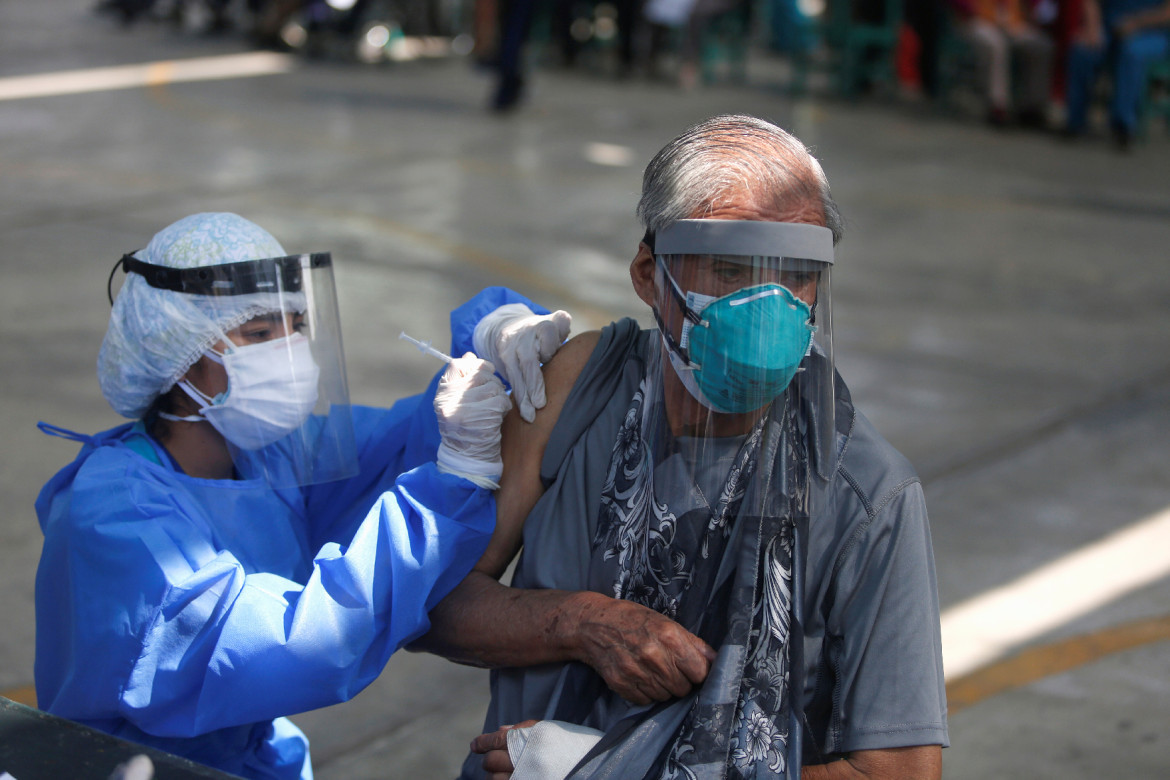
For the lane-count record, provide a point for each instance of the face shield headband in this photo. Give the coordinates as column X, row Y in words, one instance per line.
column 265, row 275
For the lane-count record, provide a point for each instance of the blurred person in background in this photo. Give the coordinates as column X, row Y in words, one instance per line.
column 1121, row 37
column 515, row 24
column 926, row 18
column 1007, row 42
column 252, row 546
column 687, row 21
column 725, row 572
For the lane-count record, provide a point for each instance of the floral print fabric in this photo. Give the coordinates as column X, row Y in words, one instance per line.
column 723, row 570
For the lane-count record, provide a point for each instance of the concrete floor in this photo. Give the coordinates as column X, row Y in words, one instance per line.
column 1002, row 311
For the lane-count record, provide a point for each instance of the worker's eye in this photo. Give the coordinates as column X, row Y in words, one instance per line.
column 264, row 328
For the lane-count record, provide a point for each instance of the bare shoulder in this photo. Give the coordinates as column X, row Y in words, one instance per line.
column 522, row 448
column 561, row 372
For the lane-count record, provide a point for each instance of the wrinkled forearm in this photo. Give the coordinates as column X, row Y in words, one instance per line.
column 484, row 623
column 921, row 762
column 836, row 770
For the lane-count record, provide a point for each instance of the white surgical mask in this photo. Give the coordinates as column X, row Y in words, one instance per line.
column 272, row 389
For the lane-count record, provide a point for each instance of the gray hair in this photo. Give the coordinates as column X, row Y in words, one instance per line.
column 727, row 155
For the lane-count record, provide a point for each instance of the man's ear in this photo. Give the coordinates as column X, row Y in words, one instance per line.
column 642, row 275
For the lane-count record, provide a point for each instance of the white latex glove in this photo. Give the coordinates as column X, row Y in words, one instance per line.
column 517, row 342
column 471, row 403
column 139, row 767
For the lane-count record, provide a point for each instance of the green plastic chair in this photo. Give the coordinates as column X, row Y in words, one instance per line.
column 956, row 61
column 1155, row 97
column 856, row 52
column 725, row 42
column 868, row 51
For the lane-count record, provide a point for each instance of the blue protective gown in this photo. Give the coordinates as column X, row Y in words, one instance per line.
column 192, row 614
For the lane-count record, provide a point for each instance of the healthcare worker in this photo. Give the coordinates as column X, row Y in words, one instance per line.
column 253, row 546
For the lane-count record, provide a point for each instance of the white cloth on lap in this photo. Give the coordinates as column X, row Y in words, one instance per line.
column 549, row 750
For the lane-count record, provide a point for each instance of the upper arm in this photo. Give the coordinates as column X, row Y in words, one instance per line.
column 523, row 450
column 883, row 645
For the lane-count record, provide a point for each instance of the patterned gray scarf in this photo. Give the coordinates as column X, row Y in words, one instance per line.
column 725, row 572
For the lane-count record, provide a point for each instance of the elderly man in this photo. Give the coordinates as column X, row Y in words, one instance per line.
column 726, row 571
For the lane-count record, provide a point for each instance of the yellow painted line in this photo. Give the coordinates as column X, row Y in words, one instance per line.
column 150, row 74
column 984, row 629
column 1039, row 662
column 26, row 695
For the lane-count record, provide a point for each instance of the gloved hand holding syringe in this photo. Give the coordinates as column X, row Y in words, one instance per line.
column 470, row 404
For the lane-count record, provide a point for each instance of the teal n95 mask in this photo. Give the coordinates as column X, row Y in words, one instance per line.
column 742, row 349
column 755, row 300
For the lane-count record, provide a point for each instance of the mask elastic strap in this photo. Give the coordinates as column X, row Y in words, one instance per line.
column 193, row 392
column 219, row 356
column 189, row 418
column 671, row 344
column 689, row 313
column 196, row 395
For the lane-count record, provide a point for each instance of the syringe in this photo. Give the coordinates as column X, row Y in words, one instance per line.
column 425, row 346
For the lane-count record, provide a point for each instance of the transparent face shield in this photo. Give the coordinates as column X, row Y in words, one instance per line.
column 719, row 465
column 278, row 395
column 745, row 309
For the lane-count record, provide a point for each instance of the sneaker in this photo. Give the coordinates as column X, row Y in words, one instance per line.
column 1122, row 137
column 508, row 93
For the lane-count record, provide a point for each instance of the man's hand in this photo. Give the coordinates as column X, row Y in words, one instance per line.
column 497, row 764
column 643, row 656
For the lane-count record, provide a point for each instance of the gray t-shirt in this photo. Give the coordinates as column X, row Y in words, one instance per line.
column 872, row 640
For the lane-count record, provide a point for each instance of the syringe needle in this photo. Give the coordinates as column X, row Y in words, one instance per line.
column 425, row 346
